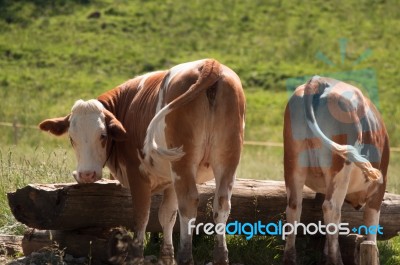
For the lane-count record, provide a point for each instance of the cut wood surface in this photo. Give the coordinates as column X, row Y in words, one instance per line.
column 369, row 253
column 107, row 204
column 10, row 245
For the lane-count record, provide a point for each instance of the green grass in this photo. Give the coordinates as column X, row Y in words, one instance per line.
column 19, row 167
column 254, row 251
column 22, row 166
column 51, row 54
column 389, row 251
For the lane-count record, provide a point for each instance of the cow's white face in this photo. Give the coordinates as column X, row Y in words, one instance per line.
column 88, row 136
column 91, row 128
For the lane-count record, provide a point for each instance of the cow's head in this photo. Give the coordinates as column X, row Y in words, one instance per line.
column 91, row 130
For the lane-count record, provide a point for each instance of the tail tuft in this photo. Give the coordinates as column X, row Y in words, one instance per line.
column 372, row 174
column 172, row 154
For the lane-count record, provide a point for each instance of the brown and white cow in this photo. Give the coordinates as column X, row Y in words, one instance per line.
column 335, row 142
column 164, row 131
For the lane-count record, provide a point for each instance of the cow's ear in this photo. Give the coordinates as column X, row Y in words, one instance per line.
column 114, row 127
column 56, row 126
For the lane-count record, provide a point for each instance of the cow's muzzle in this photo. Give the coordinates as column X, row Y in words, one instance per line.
column 85, row 176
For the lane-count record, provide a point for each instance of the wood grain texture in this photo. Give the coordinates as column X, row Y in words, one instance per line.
column 107, row 204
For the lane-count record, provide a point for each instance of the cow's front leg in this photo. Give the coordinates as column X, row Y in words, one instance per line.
column 124, row 249
column 141, row 199
column 188, row 200
column 167, row 217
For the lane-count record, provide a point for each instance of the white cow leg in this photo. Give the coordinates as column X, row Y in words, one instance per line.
column 371, row 218
column 185, row 243
column 188, row 200
column 293, row 213
column 372, row 211
column 138, row 246
column 332, row 206
column 224, row 179
column 331, row 249
column 167, row 217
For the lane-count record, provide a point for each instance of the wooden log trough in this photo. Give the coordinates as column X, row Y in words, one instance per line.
column 67, row 211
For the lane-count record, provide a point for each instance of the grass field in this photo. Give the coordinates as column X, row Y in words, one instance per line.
column 52, row 53
column 20, row 167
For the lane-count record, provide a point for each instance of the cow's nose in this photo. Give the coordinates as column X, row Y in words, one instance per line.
column 87, row 176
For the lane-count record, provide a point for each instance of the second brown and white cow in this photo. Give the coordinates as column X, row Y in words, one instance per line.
column 336, row 143
column 164, row 131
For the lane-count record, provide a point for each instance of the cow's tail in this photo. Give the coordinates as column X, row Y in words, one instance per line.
column 210, row 73
column 348, row 152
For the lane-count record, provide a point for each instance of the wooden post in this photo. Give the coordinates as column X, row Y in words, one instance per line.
column 369, row 253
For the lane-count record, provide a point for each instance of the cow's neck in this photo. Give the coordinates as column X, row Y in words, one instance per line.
column 134, row 104
column 116, row 100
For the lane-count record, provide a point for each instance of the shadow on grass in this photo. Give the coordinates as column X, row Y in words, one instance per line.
column 256, row 251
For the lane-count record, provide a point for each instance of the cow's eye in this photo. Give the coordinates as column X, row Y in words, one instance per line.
column 103, row 137
column 72, row 141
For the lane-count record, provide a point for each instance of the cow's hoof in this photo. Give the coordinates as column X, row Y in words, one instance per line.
column 166, row 261
column 166, row 255
column 127, row 261
column 185, row 258
column 134, row 261
column 181, row 261
column 220, row 256
column 185, row 262
column 334, row 262
column 289, row 257
column 167, row 251
column 220, row 262
column 289, row 261
column 335, row 259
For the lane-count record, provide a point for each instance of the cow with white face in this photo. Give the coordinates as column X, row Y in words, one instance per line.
column 89, row 125
column 164, row 131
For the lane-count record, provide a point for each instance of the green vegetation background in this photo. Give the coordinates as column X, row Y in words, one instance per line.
column 52, row 53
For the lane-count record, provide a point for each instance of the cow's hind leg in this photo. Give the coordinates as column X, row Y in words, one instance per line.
column 371, row 214
column 336, row 192
column 167, row 217
column 294, row 188
column 224, row 179
column 188, row 200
